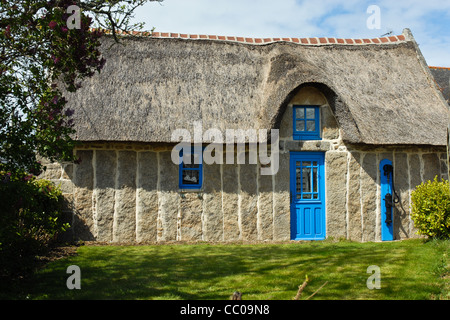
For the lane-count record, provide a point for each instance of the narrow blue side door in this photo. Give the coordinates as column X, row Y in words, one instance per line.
column 307, row 193
column 387, row 219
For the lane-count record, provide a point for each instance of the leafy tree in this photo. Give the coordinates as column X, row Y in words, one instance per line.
column 40, row 56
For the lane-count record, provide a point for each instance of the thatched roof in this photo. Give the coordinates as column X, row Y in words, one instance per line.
column 380, row 90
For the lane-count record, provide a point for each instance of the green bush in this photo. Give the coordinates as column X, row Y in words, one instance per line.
column 30, row 218
column 431, row 208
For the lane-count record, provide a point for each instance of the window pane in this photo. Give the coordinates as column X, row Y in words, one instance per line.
column 307, row 196
column 194, row 160
column 311, row 125
column 191, row 176
column 306, row 177
column 310, row 113
column 315, row 180
column 298, row 180
column 300, row 125
column 300, row 113
column 315, row 196
column 306, row 163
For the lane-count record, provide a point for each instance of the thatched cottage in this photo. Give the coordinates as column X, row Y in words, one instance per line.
column 356, row 119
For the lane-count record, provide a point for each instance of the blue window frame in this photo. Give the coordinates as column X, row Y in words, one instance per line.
column 306, row 122
column 307, row 179
column 191, row 172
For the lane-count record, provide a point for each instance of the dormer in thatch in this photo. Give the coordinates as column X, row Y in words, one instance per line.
column 343, row 109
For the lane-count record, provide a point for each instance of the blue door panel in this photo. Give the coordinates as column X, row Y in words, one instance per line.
column 307, row 195
column 318, row 221
column 306, row 220
column 387, row 221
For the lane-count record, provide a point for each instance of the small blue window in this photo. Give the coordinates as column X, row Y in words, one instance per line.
column 191, row 172
column 306, row 123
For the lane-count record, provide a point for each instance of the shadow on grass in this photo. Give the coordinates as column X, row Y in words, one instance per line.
column 208, row 272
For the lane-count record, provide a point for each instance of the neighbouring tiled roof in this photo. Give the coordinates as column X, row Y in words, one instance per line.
column 305, row 41
column 442, row 78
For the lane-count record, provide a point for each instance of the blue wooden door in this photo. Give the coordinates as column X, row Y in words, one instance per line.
column 307, row 193
column 387, row 221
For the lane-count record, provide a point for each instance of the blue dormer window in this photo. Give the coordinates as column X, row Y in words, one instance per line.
column 306, row 122
column 191, row 169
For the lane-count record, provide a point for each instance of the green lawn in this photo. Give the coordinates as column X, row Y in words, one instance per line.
column 412, row 269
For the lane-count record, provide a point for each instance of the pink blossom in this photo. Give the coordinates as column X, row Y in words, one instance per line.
column 8, row 31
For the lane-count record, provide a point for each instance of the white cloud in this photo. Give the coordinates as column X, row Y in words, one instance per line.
column 428, row 20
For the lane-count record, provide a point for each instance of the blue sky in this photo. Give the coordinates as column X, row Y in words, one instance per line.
column 428, row 20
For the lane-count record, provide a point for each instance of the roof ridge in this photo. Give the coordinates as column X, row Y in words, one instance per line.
column 433, row 67
column 259, row 41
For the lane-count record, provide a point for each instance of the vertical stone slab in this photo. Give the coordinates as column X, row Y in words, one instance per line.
column 281, row 201
column 401, row 185
column 230, row 196
column 67, row 217
column 369, row 196
column 265, row 206
column 169, row 199
column 414, row 181
column 124, row 227
column 431, row 166
column 147, row 197
column 354, row 228
column 444, row 166
column 212, row 203
column 105, row 180
column 414, row 171
column 83, row 220
column 336, row 194
column 249, row 201
column 191, row 216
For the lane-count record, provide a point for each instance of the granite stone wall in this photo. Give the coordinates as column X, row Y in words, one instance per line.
column 131, row 195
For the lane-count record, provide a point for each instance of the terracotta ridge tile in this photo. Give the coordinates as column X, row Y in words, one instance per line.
column 316, row 41
column 434, row 67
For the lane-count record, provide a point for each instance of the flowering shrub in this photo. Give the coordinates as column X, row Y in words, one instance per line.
column 30, row 218
column 40, row 59
column 431, row 208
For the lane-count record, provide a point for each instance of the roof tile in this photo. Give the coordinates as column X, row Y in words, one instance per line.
column 307, row 41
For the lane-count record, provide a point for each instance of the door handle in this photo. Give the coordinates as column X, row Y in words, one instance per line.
column 389, row 204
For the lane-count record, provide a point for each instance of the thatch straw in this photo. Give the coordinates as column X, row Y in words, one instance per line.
column 379, row 93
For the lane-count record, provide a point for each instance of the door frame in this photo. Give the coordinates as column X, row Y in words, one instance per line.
column 294, row 204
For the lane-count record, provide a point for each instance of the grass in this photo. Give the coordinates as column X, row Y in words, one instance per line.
column 412, row 269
